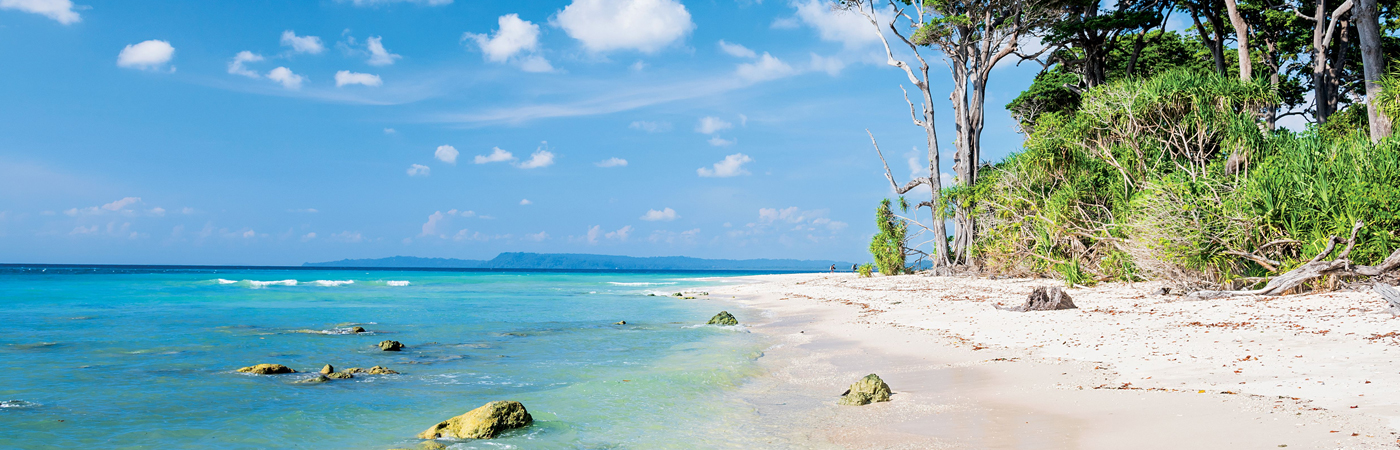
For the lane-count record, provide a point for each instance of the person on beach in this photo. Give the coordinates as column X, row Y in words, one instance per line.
column 855, row 267
column 833, row 268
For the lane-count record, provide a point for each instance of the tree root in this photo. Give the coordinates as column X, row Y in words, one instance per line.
column 1315, row 268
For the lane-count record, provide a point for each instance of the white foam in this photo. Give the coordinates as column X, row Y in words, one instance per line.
column 332, row 283
column 618, row 283
column 258, row 284
column 396, row 283
column 223, row 281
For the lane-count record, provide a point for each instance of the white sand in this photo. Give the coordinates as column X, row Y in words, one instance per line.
column 1301, row 371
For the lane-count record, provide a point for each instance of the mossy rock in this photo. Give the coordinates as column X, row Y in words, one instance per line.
column 318, row 379
column 357, row 329
column 391, row 346
column 267, row 369
column 866, row 391
column 376, row 370
column 485, row 422
column 723, row 318
column 339, row 375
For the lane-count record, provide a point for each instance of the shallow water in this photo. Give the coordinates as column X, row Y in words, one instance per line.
column 147, row 359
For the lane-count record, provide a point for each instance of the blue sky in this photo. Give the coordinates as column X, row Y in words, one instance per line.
column 141, row 131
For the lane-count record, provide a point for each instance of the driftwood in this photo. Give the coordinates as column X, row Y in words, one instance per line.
column 1316, row 268
column 1390, row 295
column 1044, row 299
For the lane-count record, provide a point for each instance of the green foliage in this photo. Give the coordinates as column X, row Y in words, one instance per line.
column 1047, row 94
column 865, row 270
column 887, row 246
column 1351, row 119
column 1172, row 176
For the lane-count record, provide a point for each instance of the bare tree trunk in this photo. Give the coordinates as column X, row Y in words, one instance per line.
column 1216, row 51
column 1241, row 40
column 1324, row 83
column 1367, row 17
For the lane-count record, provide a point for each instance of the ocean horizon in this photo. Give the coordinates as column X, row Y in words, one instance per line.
column 147, row 356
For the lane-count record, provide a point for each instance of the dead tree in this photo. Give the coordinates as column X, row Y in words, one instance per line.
column 1316, row 268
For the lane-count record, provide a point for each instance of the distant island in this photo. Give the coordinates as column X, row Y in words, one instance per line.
column 577, row 261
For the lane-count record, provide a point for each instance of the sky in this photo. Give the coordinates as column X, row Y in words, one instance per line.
column 279, row 132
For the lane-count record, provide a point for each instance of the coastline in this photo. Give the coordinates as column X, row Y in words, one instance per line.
column 1126, row 369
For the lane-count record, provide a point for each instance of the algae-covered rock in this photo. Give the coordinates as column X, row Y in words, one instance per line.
column 339, row 375
column 485, row 422
column 327, row 370
column 723, row 318
column 318, row 379
column 391, row 346
column 357, row 329
column 376, row 370
column 267, row 369
column 866, row 391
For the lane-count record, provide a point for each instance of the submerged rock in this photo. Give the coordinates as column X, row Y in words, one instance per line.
column 1048, row 299
column 723, row 318
column 866, row 391
column 327, row 370
column 391, row 346
column 267, row 369
column 318, row 379
column 485, row 422
column 376, row 370
column 357, row 329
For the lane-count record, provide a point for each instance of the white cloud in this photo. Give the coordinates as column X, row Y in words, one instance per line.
column 446, row 153
column 308, row 236
column 418, row 170
column 643, row 25
column 390, row 131
column 431, row 227
column 831, row 65
column 497, row 155
column 596, row 232
column 378, row 56
column 345, row 77
column 790, row 214
column 612, row 162
column 148, row 55
column 119, row 204
column 650, row 127
column 236, row 65
column 513, row 37
column 593, row 234
column 537, row 237
column 540, row 158
column 525, row 201
column 621, row 234
column 348, row 236
column 667, row 214
column 847, row 27
column 302, row 44
column 285, row 76
column 721, row 142
column 60, row 10
column 732, row 165
column 638, row 66
column 766, row 68
column 736, row 50
column 249, row 234
column 710, row 124
column 386, row 2
column 157, row 211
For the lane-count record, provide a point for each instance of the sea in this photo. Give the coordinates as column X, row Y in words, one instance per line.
column 147, row 357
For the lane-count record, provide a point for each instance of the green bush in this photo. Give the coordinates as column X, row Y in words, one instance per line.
column 887, row 246
column 865, row 270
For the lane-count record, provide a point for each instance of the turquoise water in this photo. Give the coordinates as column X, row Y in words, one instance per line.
column 117, row 359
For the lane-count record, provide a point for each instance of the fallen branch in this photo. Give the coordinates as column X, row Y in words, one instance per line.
column 1315, row 268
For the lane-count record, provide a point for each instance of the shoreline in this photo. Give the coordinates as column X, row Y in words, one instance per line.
column 1125, row 369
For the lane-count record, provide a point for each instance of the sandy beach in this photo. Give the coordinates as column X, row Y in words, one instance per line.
column 1127, row 369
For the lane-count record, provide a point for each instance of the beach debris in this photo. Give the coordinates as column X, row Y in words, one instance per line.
column 1047, row 299
column 1390, row 295
column 391, row 346
column 327, row 370
column 1317, row 267
column 1162, row 291
column 723, row 318
column 485, row 422
column 621, row 322
column 866, row 391
column 318, row 379
column 376, row 370
column 267, row 369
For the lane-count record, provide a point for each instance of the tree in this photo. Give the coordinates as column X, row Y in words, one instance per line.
column 1325, row 66
column 1367, row 16
column 1241, row 39
column 1084, row 38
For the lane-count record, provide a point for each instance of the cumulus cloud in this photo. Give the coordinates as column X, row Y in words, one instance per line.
column 612, row 162
column 722, row 142
column 285, row 76
column 418, row 170
column 643, row 25
column 798, row 219
column 302, row 44
column 446, row 153
column 497, row 155
column 597, row 232
column 148, row 55
column 119, row 204
column 537, row 237
column 348, row 236
column 846, row 27
column 236, row 66
column 436, row 220
column 513, row 37
column 540, row 158
column 710, row 124
column 831, row 65
column 345, row 77
column 766, row 68
column 60, row 10
column 667, row 215
column 378, row 56
column 308, row 236
column 525, row 201
column 650, row 127
column 732, row 165
column 736, row 50
column 390, row 131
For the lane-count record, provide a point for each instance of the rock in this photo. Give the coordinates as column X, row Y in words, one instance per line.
column 376, row 370
column 431, row 445
column 1048, row 299
column 267, row 369
column 318, row 379
column 866, row 391
column 357, row 329
column 624, row 322
column 339, row 375
column 723, row 318
column 327, row 370
column 485, row 422
column 391, row 346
